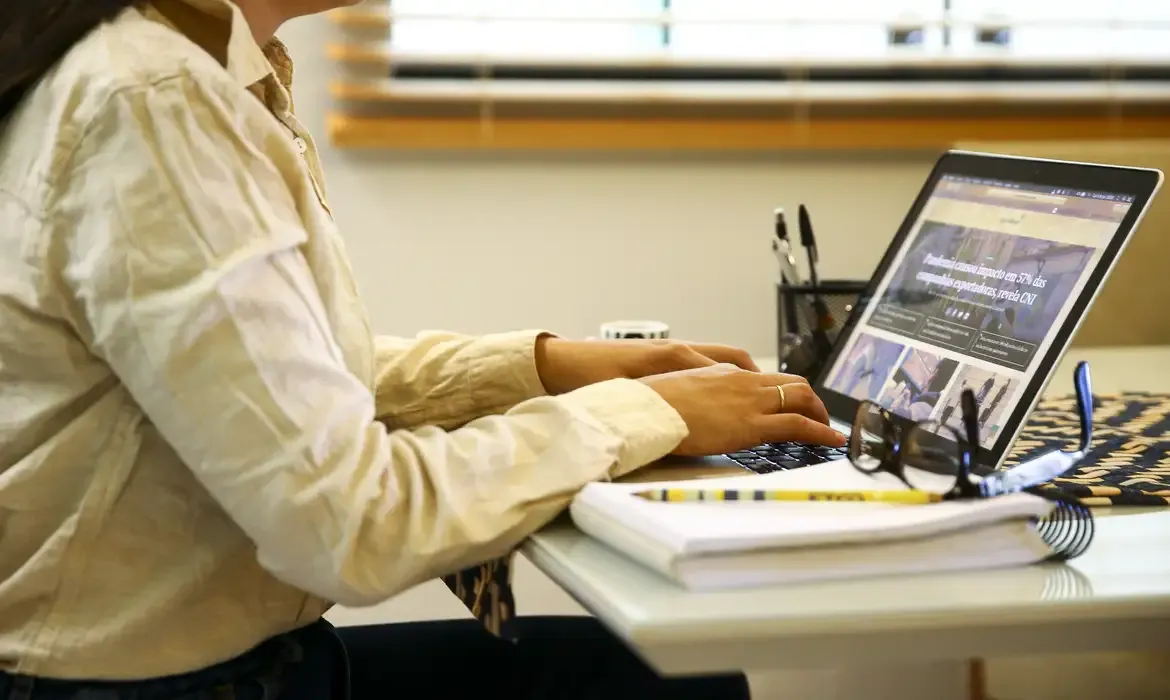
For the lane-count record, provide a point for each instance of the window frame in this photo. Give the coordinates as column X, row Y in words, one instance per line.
column 389, row 99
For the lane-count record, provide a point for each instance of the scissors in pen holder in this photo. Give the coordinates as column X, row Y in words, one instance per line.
column 937, row 457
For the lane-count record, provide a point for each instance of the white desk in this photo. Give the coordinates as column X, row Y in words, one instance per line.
column 904, row 637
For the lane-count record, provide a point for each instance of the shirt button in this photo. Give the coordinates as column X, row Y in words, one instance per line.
column 302, row 147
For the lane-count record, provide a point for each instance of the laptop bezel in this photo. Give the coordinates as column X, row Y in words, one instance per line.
column 1141, row 183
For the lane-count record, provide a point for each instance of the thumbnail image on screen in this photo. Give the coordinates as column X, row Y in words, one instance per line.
column 915, row 388
column 864, row 370
column 993, row 394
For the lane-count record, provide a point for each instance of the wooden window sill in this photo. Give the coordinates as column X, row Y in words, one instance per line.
column 697, row 134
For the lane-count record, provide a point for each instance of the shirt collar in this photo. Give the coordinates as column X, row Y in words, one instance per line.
column 246, row 61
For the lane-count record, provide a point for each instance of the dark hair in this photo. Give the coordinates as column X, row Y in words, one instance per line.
column 35, row 34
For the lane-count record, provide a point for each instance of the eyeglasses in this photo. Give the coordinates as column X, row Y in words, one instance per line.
column 935, row 457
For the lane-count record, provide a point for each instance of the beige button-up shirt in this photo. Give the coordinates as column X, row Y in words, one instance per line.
column 201, row 443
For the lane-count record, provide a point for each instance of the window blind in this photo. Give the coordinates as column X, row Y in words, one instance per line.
column 491, row 60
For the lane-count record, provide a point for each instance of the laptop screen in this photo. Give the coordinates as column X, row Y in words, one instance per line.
column 990, row 271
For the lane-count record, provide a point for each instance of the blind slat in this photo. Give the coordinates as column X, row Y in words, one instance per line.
column 383, row 52
column 388, row 17
column 650, row 92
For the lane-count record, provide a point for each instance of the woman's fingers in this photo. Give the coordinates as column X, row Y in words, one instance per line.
column 776, row 379
column 796, row 397
column 793, row 427
column 728, row 354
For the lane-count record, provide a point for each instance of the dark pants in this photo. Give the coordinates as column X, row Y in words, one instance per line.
column 558, row 658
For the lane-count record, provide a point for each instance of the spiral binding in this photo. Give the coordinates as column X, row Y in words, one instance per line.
column 1068, row 530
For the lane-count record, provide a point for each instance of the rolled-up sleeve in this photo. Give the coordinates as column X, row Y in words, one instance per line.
column 448, row 379
column 187, row 276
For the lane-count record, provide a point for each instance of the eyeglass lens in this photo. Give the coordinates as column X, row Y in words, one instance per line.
column 869, row 442
column 927, row 457
column 931, row 454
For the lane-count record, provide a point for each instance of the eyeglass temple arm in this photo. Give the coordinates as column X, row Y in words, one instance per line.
column 1031, row 473
column 1082, row 382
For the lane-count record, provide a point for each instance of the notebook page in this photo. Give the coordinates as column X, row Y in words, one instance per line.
column 695, row 528
column 1008, row 543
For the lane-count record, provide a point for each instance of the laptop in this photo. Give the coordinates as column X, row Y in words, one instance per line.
column 985, row 284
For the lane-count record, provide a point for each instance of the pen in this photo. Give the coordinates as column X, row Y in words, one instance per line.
column 825, row 320
column 808, row 240
column 725, row 495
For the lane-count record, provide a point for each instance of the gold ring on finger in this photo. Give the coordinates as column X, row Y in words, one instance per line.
column 783, row 399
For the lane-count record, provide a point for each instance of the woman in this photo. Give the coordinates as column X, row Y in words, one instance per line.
column 202, row 445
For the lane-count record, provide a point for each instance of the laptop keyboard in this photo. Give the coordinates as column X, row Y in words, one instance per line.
column 785, row 455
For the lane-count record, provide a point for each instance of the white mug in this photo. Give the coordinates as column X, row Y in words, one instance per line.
column 629, row 330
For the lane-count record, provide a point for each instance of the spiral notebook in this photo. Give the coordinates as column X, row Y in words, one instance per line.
column 708, row 546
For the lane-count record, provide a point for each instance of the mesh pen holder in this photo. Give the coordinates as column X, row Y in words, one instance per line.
column 792, row 304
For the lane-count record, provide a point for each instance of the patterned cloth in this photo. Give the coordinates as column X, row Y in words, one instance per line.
column 486, row 590
column 1129, row 464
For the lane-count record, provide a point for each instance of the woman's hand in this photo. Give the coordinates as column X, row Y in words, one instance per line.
column 566, row 365
column 727, row 409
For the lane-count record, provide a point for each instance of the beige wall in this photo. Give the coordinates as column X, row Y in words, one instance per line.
column 570, row 241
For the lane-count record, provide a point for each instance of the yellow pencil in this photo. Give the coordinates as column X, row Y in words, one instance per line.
column 724, row 495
